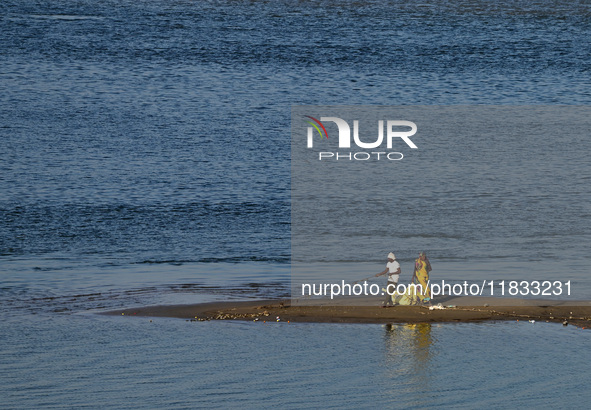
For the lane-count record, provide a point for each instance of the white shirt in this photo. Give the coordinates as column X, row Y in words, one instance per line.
column 393, row 267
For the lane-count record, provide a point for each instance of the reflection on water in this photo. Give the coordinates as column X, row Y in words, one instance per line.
column 408, row 355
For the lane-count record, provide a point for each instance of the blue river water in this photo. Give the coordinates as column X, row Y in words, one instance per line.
column 145, row 159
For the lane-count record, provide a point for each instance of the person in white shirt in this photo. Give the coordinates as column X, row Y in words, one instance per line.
column 393, row 271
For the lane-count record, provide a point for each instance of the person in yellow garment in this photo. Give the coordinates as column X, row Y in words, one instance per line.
column 422, row 269
column 422, row 295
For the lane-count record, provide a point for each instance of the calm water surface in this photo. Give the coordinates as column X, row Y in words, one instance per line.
column 80, row 360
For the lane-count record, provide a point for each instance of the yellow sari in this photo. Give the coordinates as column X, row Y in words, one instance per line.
column 416, row 295
column 422, row 277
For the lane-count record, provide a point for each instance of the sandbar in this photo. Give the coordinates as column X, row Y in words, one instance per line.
column 464, row 309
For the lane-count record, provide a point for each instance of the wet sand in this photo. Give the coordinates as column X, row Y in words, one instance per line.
column 463, row 310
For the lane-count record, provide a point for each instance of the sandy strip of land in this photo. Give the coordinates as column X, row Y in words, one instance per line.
column 463, row 310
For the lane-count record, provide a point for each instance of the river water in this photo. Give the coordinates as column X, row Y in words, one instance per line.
column 145, row 159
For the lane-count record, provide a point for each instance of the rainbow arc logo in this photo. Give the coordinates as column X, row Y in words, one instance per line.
column 317, row 129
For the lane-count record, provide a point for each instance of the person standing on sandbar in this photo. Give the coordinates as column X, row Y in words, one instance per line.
column 421, row 274
column 393, row 271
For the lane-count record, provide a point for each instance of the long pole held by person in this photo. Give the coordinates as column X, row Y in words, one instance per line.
column 363, row 280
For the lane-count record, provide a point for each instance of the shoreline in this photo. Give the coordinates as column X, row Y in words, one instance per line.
column 462, row 311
